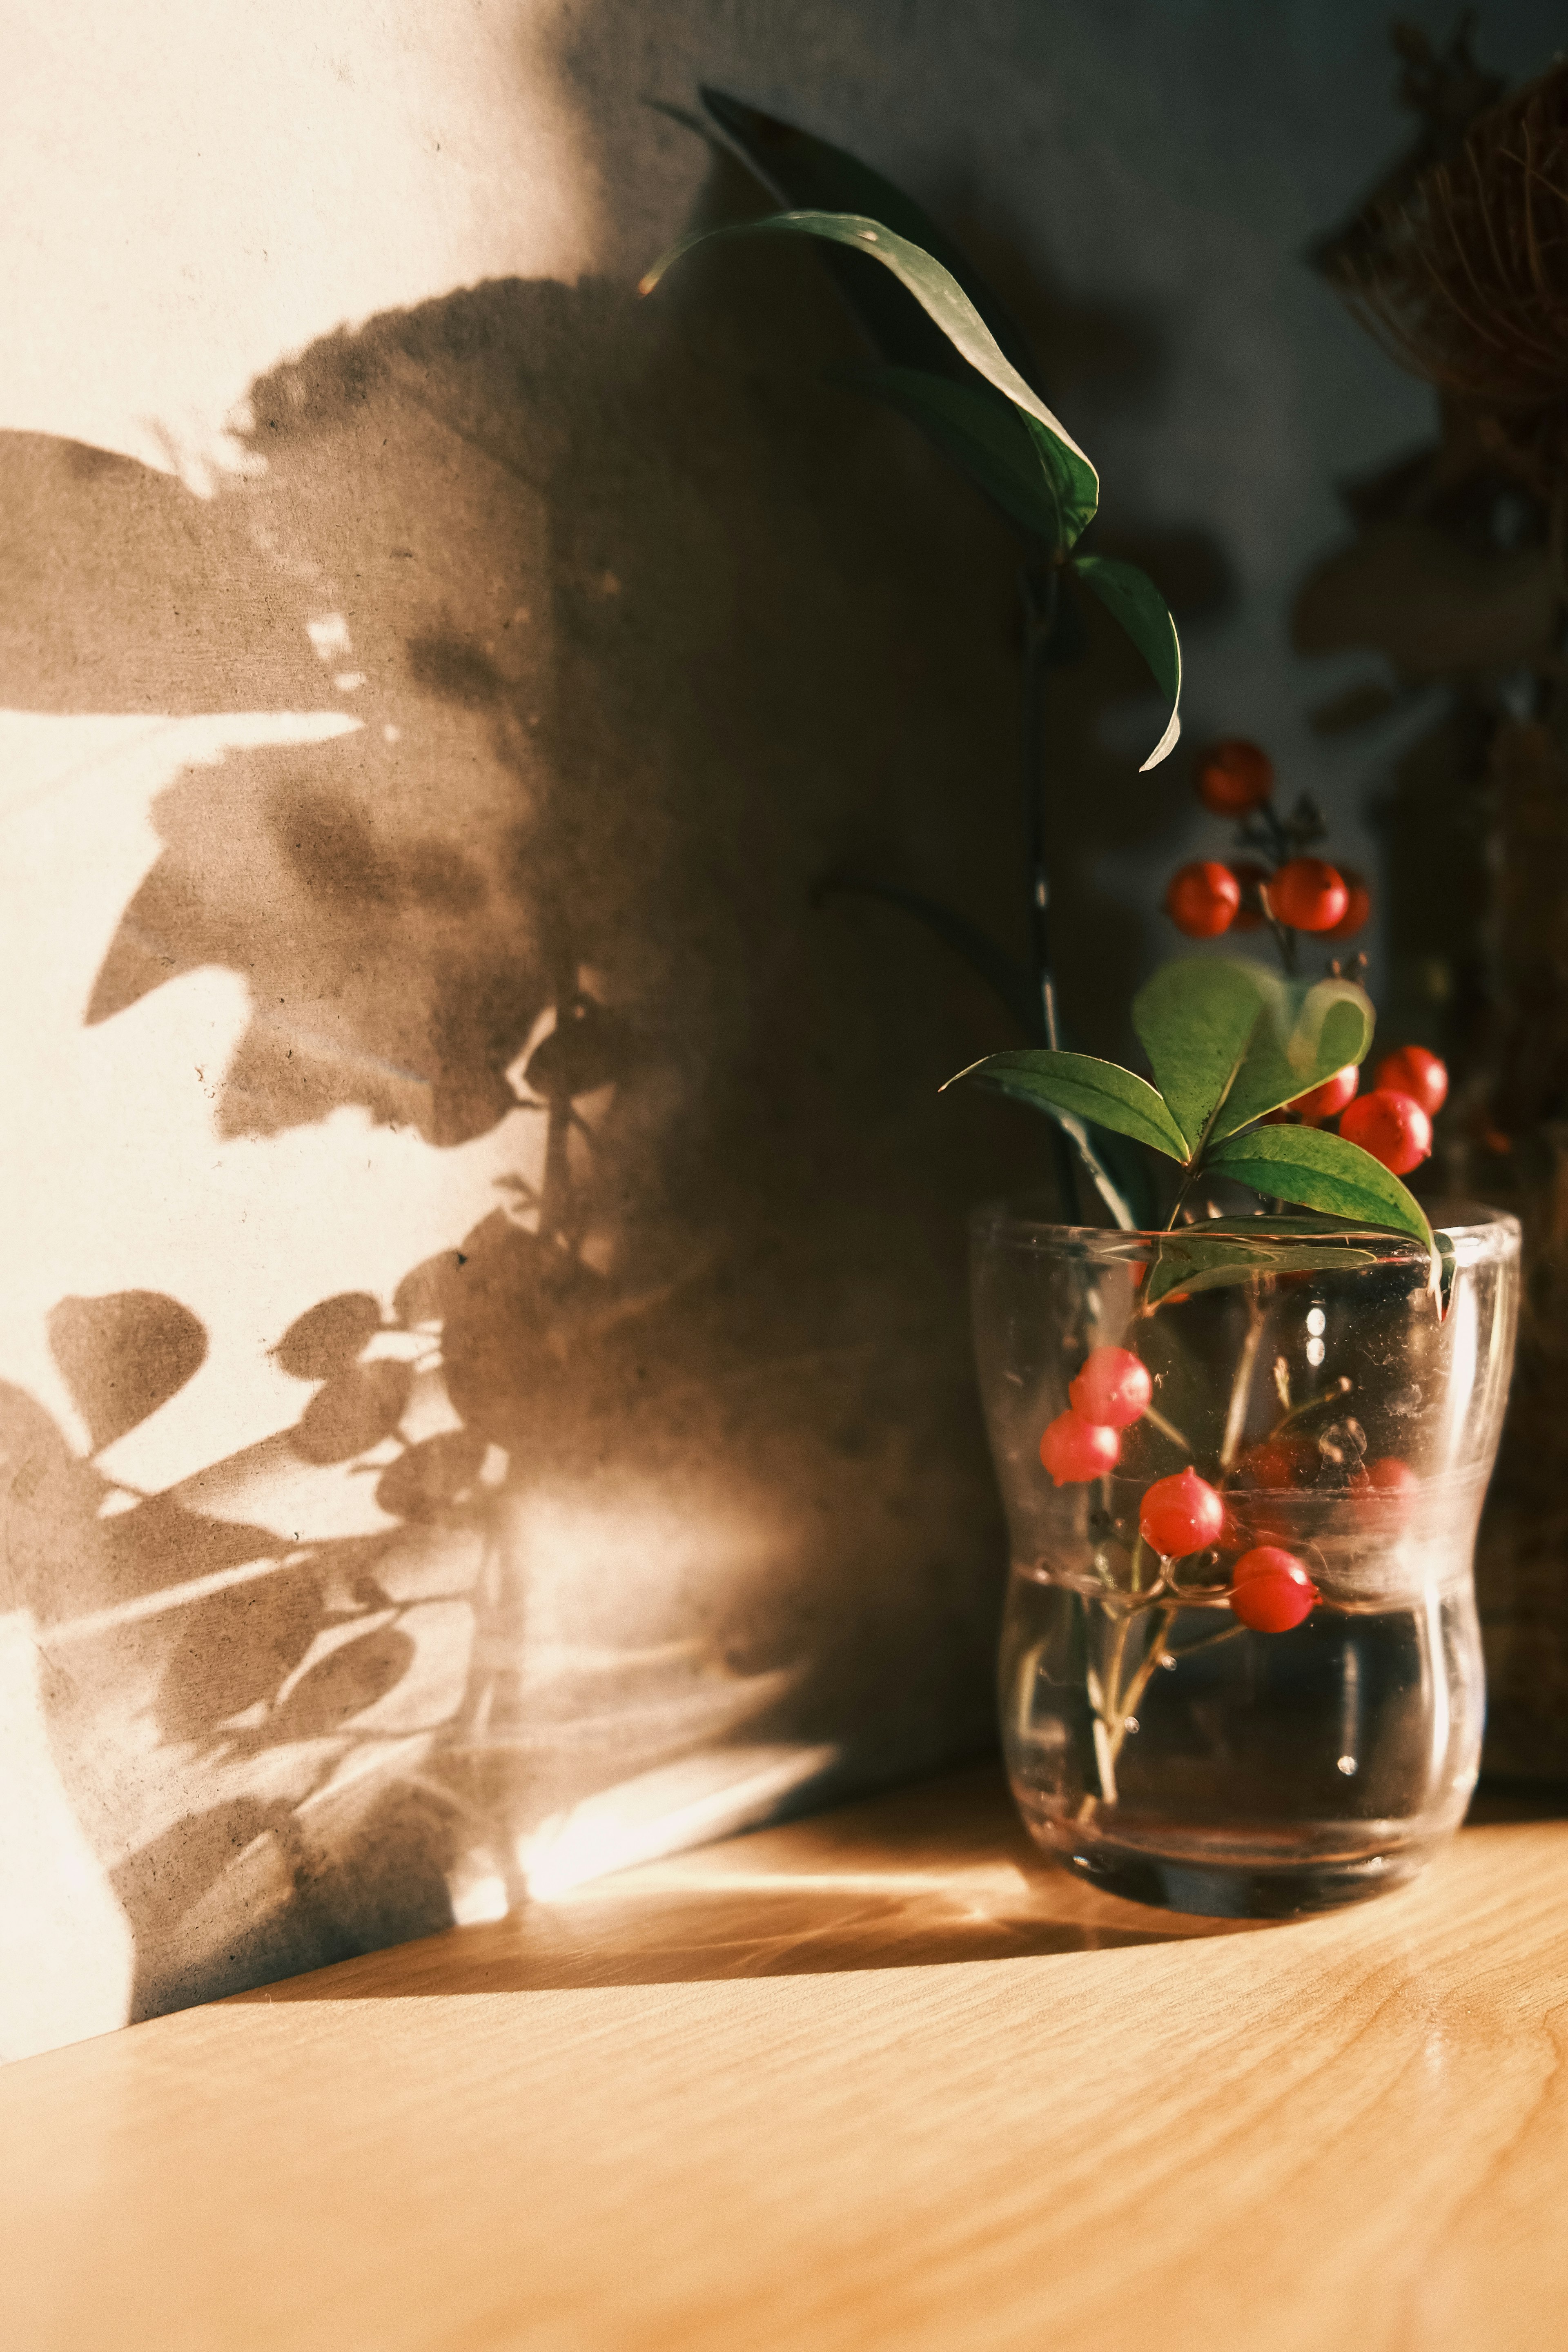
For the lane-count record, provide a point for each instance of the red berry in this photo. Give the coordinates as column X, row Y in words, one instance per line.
column 1113, row 1388
column 1323, row 1101
column 1358, row 907
column 1251, row 879
column 1308, row 896
column 1073, row 1449
column 1271, row 1590
column 1392, row 1128
column 1279, row 1462
column 1386, row 1488
column 1181, row 1514
column 1414, row 1072
column 1234, row 778
column 1202, row 898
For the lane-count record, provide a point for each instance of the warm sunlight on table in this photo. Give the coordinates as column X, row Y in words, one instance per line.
column 880, row 2078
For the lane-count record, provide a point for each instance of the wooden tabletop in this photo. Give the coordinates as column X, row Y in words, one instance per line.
column 880, row 2078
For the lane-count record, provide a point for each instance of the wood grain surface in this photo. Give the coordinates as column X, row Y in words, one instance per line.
column 880, row 2078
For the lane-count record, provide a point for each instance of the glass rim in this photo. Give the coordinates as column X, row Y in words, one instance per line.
column 1477, row 1233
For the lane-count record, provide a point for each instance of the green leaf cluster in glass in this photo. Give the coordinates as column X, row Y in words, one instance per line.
column 1227, row 1043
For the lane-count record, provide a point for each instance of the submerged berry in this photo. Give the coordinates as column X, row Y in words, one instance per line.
column 1074, row 1450
column 1387, row 1487
column 1392, row 1128
column 1271, row 1590
column 1181, row 1514
column 1276, row 1463
column 1113, row 1388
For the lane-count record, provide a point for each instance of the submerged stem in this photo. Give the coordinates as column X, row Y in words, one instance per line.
column 1241, row 1383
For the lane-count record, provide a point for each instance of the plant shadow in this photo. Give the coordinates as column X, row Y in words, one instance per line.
column 934, row 1874
column 624, row 626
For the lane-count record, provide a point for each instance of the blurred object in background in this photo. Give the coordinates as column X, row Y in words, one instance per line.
column 1458, row 263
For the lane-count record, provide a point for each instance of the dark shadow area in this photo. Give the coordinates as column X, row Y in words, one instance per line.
column 942, row 1872
column 643, row 627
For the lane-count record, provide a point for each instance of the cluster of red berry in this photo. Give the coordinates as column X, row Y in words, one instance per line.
column 1271, row 1590
column 1392, row 1121
column 1111, row 1394
column 1295, row 892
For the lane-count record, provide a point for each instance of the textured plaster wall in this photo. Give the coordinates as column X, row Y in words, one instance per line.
column 481, row 1321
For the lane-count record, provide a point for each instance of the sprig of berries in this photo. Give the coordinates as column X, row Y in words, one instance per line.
column 1271, row 1590
column 1392, row 1121
column 1113, row 1390
column 1292, row 892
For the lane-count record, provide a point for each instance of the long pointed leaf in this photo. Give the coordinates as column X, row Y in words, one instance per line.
column 1131, row 597
column 1084, row 1086
column 810, row 174
column 1323, row 1171
column 1208, row 1256
column 940, row 295
column 993, row 442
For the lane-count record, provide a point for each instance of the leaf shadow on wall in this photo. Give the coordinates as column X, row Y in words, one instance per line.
column 644, row 629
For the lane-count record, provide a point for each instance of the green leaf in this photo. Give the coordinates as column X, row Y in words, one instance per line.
column 1013, row 459
column 1323, row 1171
column 811, row 174
column 940, row 295
column 1228, row 1041
column 1194, row 1020
column 1132, row 598
column 1206, row 1257
column 1307, row 1029
column 1086, row 1089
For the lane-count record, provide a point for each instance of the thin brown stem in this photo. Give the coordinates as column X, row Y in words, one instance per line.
column 1241, row 1383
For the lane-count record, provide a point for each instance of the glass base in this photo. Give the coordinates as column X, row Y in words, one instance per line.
column 1241, row 1890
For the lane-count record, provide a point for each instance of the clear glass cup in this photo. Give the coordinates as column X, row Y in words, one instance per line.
column 1348, row 1409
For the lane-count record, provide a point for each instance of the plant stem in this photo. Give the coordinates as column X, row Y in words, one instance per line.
column 1209, row 1642
column 1332, row 1396
column 1241, row 1383
column 1039, row 591
column 1113, row 1717
column 1167, row 1428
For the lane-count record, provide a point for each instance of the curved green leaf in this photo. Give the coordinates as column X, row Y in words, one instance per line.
column 808, row 173
column 1306, row 1031
column 1086, row 1089
column 1323, row 1171
column 1194, row 1020
column 1228, row 1041
column 940, row 295
column 1208, row 1256
column 1132, row 598
column 1014, row 460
